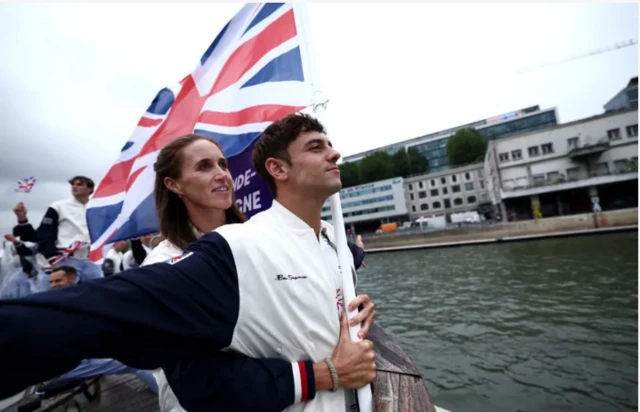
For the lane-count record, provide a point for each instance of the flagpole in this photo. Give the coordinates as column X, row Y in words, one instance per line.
column 345, row 258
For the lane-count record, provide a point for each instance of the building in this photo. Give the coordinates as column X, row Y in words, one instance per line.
column 626, row 98
column 566, row 169
column 366, row 207
column 445, row 192
column 433, row 146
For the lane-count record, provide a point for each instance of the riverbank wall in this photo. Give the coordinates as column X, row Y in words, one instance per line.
column 574, row 225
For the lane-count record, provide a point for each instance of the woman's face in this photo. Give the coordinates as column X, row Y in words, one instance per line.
column 205, row 181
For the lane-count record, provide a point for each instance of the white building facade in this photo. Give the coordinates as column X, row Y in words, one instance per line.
column 567, row 168
column 450, row 191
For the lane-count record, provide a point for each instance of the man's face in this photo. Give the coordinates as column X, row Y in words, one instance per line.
column 120, row 245
column 80, row 188
column 145, row 239
column 59, row 279
column 313, row 167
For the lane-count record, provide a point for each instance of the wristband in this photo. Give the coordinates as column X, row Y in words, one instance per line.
column 334, row 374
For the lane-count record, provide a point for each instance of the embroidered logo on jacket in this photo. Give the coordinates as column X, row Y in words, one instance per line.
column 289, row 277
column 177, row 259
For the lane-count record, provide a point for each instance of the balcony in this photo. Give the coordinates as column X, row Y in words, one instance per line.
column 579, row 151
column 562, row 182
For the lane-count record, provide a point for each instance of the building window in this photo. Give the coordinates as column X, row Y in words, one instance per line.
column 614, row 134
column 424, row 206
column 504, row 157
column 547, row 148
column 480, row 174
column 410, row 187
column 420, row 185
column 481, row 184
column 468, row 186
column 539, row 180
column 422, row 194
column 457, row 201
column 516, row 154
column 455, row 189
column 632, row 131
column 411, row 196
column 447, row 203
column 572, row 143
column 433, row 183
column 533, row 151
column 553, row 177
column 434, row 192
column 445, row 191
column 413, row 208
column 443, row 181
column 436, row 205
column 467, row 176
column 573, row 173
column 621, row 166
column 601, row 169
column 454, row 178
column 471, row 199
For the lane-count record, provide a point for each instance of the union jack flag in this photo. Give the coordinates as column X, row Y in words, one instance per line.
column 254, row 72
column 69, row 251
column 25, row 185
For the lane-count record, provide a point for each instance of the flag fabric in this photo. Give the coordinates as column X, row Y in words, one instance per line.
column 67, row 252
column 254, row 72
column 25, row 185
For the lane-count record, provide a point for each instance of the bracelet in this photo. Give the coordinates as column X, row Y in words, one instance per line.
column 334, row 374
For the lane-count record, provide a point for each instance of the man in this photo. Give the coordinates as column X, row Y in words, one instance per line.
column 23, row 229
column 64, row 223
column 268, row 288
column 113, row 263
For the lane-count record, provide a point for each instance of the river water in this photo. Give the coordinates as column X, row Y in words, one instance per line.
column 549, row 325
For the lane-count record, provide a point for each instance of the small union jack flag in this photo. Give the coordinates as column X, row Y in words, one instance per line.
column 25, row 185
column 68, row 252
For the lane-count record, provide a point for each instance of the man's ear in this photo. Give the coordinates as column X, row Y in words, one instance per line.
column 172, row 185
column 277, row 168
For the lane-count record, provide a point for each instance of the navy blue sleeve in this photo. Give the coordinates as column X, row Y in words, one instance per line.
column 358, row 254
column 146, row 317
column 229, row 381
column 23, row 250
column 139, row 254
column 25, row 232
column 48, row 234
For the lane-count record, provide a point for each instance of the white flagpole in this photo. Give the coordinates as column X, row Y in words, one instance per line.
column 319, row 105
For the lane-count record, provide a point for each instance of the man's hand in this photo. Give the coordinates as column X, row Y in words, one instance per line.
column 21, row 212
column 365, row 316
column 354, row 361
column 11, row 238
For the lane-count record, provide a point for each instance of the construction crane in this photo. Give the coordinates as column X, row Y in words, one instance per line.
column 617, row 46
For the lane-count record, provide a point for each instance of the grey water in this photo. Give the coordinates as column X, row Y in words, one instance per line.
column 547, row 325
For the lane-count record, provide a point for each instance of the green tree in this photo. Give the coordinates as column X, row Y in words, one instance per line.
column 376, row 166
column 466, row 146
column 417, row 162
column 349, row 174
column 400, row 162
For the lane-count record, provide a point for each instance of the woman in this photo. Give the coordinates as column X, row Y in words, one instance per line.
column 194, row 195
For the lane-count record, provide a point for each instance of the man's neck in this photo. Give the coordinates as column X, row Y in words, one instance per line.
column 206, row 220
column 82, row 199
column 307, row 209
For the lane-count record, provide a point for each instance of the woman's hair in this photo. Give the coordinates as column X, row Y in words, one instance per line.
column 172, row 213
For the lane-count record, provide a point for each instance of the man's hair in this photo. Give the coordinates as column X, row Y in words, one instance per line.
column 275, row 140
column 83, row 179
column 68, row 270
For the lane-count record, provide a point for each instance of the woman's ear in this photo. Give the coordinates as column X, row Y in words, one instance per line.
column 172, row 185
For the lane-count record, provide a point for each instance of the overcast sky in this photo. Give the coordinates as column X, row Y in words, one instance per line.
column 75, row 78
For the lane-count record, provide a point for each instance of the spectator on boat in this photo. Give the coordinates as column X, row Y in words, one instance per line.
column 88, row 368
column 23, row 230
column 64, row 223
column 283, row 265
column 113, row 262
column 140, row 248
column 27, row 275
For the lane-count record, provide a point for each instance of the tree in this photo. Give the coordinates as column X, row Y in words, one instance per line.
column 400, row 162
column 376, row 166
column 349, row 174
column 417, row 162
column 466, row 146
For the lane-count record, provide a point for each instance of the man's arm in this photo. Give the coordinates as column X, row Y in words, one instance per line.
column 146, row 317
column 139, row 254
column 358, row 254
column 48, row 233
column 25, row 232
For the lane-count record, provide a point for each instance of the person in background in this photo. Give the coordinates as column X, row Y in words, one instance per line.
column 64, row 223
column 140, row 248
column 23, row 230
column 112, row 264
